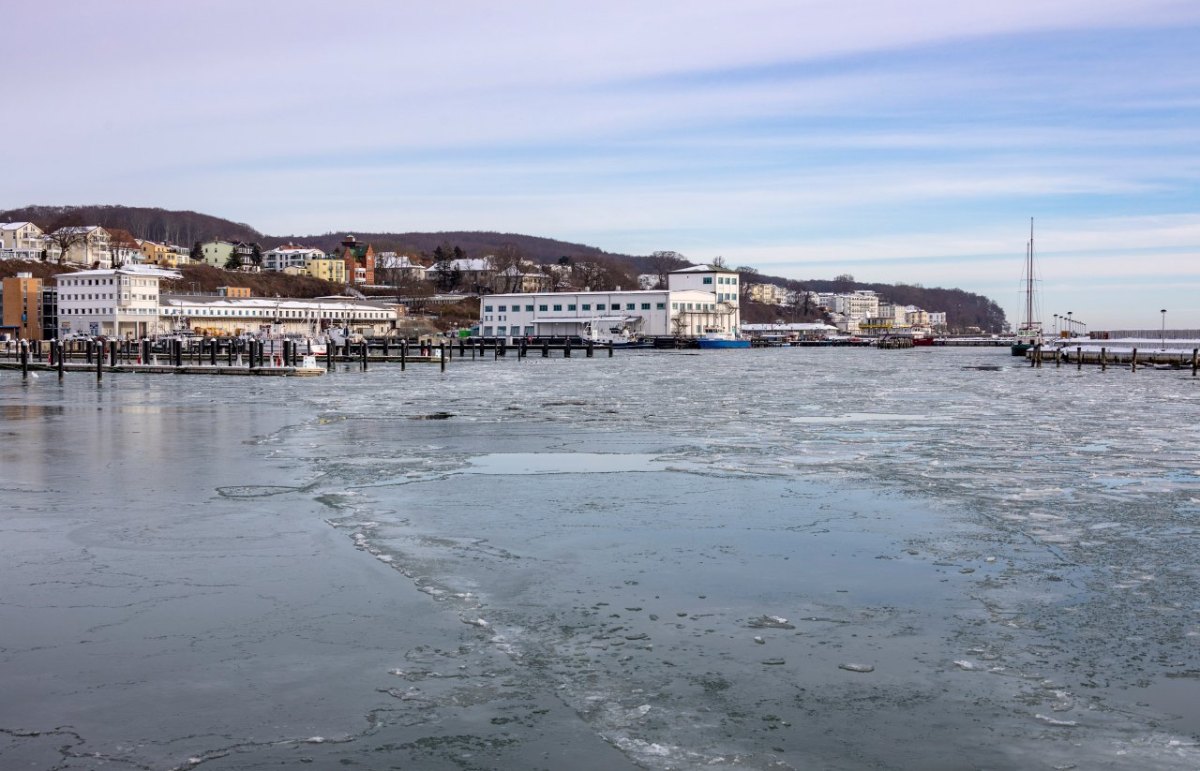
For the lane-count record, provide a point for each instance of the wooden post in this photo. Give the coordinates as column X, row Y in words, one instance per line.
column 59, row 362
column 1194, row 360
column 1133, row 361
column 1057, row 358
column 566, row 347
column 1103, row 359
column 1078, row 357
column 590, row 352
column 99, row 365
column 610, row 350
column 212, row 352
column 545, row 348
column 364, row 356
column 329, row 354
column 112, row 353
column 461, row 344
column 442, row 355
column 24, row 346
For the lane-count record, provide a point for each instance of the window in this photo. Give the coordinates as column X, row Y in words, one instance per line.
column 587, row 306
column 487, row 309
column 571, row 307
column 674, row 306
column 660, row 306
column 487, row 331
column 645, row 306
column 529, row 309
column 599, row 306
column 708, row 279
column 542, row 308
column 501, row 330
column 558, row 307
column 503, row 308
column 630, row 306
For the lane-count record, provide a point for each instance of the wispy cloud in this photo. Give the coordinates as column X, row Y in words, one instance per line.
column 900, row 141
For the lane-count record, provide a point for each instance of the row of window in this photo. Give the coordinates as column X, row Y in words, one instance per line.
column 282, row 313
column 721, row 279
column 574, row 307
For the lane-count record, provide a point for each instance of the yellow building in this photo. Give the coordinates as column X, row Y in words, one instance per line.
column 330, row 269
column 161, row 255
column 22, row 303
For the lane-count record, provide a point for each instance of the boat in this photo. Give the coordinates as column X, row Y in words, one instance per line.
column 715, row 337
column 1029, row 333
column 619, row 334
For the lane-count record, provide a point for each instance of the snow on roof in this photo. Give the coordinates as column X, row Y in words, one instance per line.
column 471, row 263
column 13, row 225
column 704, row 269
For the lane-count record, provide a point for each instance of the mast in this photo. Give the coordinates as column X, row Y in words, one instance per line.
column 1029, row 279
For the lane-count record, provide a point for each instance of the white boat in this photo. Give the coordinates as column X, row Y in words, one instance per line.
column 619, row 333
column 1029, row 333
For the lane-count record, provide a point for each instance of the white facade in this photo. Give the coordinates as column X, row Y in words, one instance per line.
column 264, row 316
column 21, row 241
column 90, row 245
column 290, row 256
column 114, row 303
column 699, row 300
column 722, row 282
column 654, row 313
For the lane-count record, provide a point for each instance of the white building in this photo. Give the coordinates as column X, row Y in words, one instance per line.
column 770, row 294
column 88, row 245
column 266, row 316
column 699, row 299
column 290, row 256
column 114, row 303
column 21, row 241
column 398, row 266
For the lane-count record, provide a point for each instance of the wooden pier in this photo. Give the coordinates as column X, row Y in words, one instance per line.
column 1120, row 357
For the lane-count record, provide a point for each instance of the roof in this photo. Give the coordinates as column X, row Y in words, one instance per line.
column 704, row 269
column 13, row 225
column 270, row 303
column 150, row 271
column 477, row 264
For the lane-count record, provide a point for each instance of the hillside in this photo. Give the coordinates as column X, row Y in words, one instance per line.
column 963, row 309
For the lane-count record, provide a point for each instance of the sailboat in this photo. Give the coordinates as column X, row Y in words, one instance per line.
column 1029, row 333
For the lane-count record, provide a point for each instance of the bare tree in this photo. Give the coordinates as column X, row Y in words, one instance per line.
column 506, row 266
column 66, row 234
column 662, row 263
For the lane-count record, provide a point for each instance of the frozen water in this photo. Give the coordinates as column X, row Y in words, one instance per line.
column 620, row 524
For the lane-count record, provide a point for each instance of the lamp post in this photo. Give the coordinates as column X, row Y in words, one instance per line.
column 1070, row 324
column 1162, row 339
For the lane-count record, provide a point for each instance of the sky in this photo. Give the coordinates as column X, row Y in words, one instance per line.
column 897, row 142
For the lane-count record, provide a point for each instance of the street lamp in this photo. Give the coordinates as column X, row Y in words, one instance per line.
column 1070, row 324
column 1162, row 340
column 1056, row 325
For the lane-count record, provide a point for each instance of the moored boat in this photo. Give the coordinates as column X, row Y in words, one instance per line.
column 1029, row 333
column 714, row 337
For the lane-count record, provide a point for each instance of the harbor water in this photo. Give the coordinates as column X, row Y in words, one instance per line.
column 764, row 559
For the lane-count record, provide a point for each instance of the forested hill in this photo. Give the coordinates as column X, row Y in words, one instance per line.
column 187, row 227
column 162, row 225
